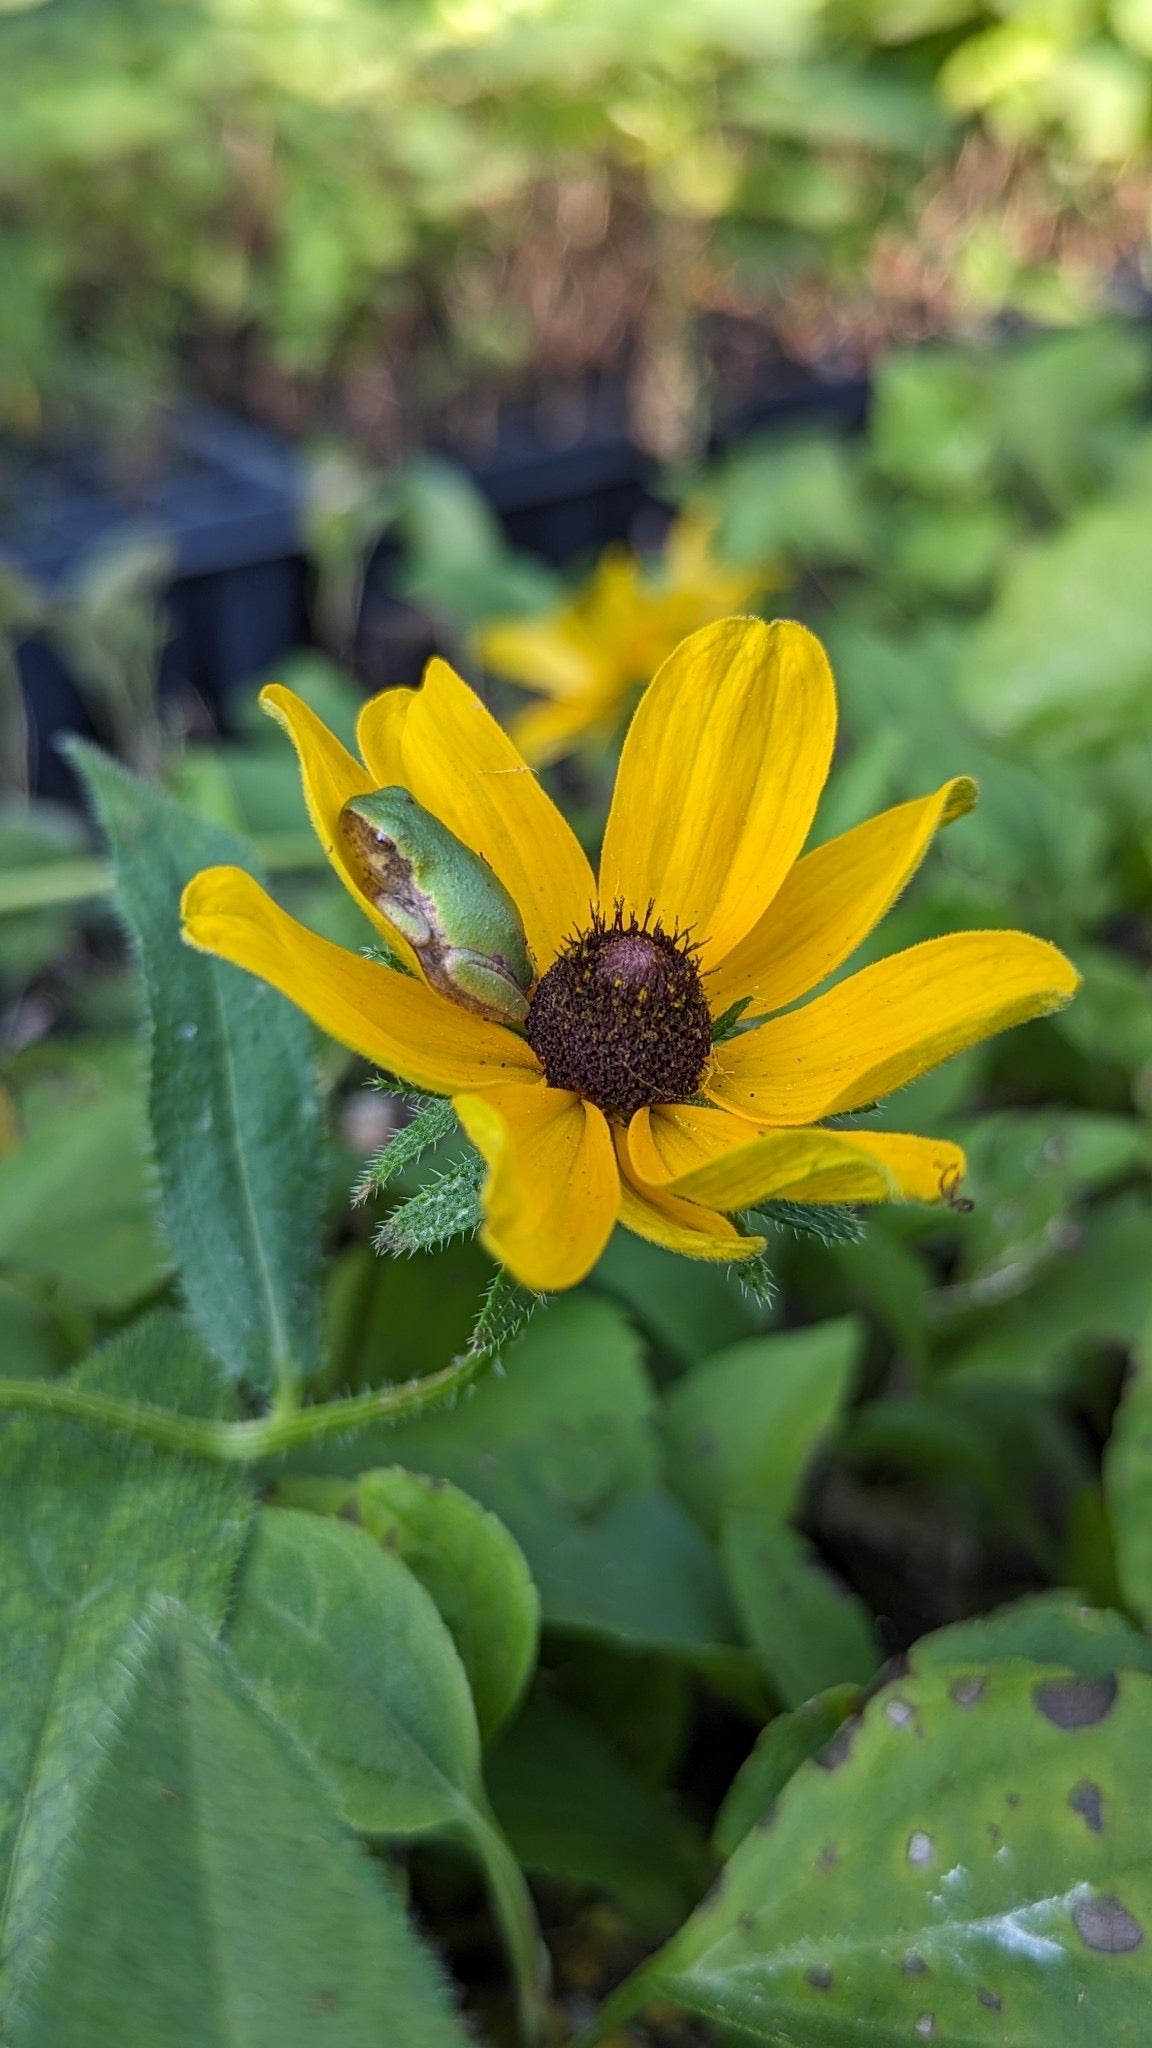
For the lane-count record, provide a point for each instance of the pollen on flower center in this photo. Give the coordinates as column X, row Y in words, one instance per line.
column 621, row 1017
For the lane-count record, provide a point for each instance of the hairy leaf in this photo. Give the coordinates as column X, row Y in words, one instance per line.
column 91, row 1531
column 234, row 1115
column 213, row 1899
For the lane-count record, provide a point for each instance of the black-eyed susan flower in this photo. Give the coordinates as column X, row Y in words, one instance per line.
column 615, row 1100
column 585, row 661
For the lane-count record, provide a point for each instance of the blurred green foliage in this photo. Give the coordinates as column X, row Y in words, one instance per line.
column 406, row 196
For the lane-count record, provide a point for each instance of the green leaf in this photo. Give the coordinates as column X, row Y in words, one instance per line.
column 91, row 1531
column 562, row 1446
column 572, row 1810
column 233, row 1100
column 967, row 1863
column 75, row 1207
column 1063, row 653
column 809, row 1632
column 780, row 1749
column 1128, row 1484
column 474, row 1570
column 1099, row 1290
column 345, row 1645
column 212, row 1899
column 741, row 1428
column 689, row 1309
column 390, row 1319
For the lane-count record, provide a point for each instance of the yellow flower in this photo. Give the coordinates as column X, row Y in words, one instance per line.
column 585, row 661
column 612, row 1106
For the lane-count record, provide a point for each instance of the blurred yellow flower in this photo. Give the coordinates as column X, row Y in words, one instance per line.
column 586, row 660
column 614, row 1104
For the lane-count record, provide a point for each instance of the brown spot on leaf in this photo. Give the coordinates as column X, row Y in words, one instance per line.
column 995, row 1834
column 704, row 1444
column 966, row 1691
column 326, row 2001
column 1011, row 1799
column 1105, row 1924
column 1075, row 1702
column 1087, row 1800
column 820, row 1977
column 745, row 1923
column 991, row 1999
column 828, row 1858
column 768, row 1817
column 837, row 1751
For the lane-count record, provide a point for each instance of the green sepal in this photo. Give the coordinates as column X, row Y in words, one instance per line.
column 727, row 1025
column 755, row 1276
column 433, row 1121
column 831, row 1222
column 447, row 1207
column 502, row 1314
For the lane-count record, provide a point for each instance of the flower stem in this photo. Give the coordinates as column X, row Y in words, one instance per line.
column 241, row 1443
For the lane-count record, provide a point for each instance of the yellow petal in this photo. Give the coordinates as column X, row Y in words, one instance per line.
column 398, row 1022
column 380, row 735
column 550, row 728
column 675, row 1138
column 684, row 1227
column 330, row 777
column 540, row 655
column 460, row 765
column 719, row 779
column 887, row 1024
column 553, row 1193
column 831, row 900
column 825, row 1166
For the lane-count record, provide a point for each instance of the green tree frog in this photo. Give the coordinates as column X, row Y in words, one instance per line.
column 444, row 899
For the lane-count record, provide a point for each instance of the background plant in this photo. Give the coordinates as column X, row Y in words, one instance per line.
column 368, row 213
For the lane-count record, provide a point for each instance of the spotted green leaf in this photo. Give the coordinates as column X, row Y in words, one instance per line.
column 1046, row 1628
column 213, row 1899
column 780, row 1749
column 967, row 1864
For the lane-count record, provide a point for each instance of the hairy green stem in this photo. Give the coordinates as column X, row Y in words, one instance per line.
column 241, row 1443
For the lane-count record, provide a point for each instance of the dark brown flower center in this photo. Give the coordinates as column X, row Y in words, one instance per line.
column 621, row 1017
